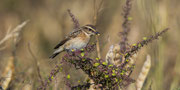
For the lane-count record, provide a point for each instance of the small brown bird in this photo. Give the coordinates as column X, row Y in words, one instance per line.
column 77, row 39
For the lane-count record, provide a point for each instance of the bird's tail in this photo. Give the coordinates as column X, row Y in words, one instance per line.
column 59, row 50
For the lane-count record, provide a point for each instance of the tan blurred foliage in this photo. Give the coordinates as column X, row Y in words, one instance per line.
column 49, row 23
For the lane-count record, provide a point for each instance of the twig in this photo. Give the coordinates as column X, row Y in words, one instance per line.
column 96, row 12
column 36, row 63
column 14, row 32
column 53, row 73
column 9, row 70
column 75, row 21
column 104, row 75
column 125, row 26
column 146, row 40
column 98, row 47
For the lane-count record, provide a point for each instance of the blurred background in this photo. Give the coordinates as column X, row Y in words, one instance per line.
column 49, row 22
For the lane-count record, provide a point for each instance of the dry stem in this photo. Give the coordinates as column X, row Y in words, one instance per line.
column 36, row 63
column 96, row 12
column 13, row 33
column 8, row 73
column 144, row 72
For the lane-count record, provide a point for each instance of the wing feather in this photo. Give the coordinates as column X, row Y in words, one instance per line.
column 61, row 43
column 74, row 33
column 71, row 35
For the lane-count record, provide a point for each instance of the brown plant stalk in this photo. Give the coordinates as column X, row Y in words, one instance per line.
column 36, row 63
column 74, row 20
column 125, row 26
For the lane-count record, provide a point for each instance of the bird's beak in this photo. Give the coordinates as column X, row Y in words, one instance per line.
column 97, row 33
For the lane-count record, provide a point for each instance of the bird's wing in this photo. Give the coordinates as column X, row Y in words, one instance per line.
column 74, row 33
column 61, row 43
column 71, row 35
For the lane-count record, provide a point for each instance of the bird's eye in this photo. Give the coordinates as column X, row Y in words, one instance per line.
column 89, row 29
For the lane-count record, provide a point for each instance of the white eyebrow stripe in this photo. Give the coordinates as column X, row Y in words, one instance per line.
column 91, row 28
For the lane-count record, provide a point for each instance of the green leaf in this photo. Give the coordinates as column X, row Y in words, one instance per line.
column 52, row 77
column 113, row 71
column 130, row 18
column 113, row 74
column 106, row 76
column 116, row 79
column 134, row 44
column 82, row 54
column 104, row 63
column 144, row 38
column 96, row 64
column 82, row 49
column 68, row 76
column 127, row 60
column 72, row 50
column 83, row 59
column 97, row 58
column 110, row 65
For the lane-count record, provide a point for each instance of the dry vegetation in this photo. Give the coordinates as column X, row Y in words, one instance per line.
column 26, row 45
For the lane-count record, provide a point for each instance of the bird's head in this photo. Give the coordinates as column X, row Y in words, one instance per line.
column 90, row 29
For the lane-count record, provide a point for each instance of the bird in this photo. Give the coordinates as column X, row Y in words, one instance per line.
column 77, row 39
